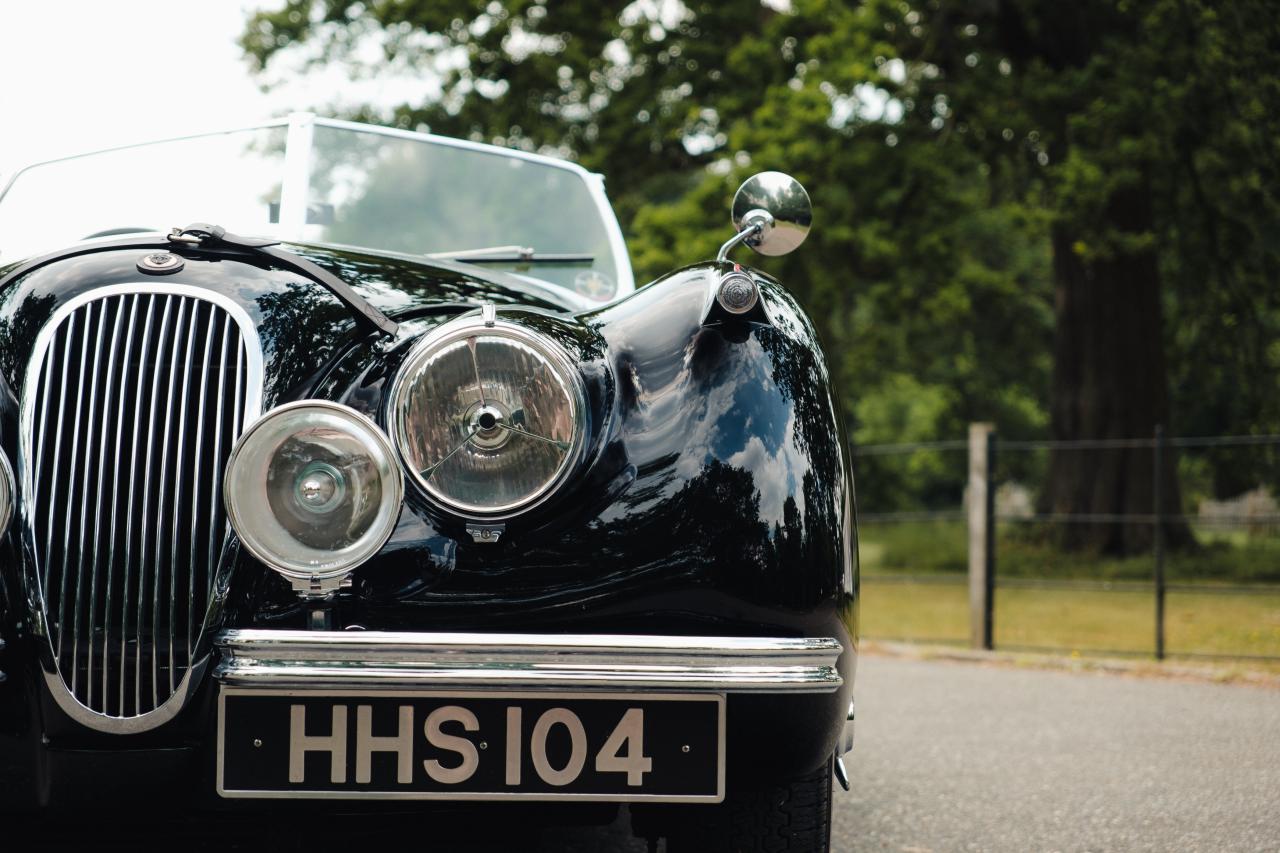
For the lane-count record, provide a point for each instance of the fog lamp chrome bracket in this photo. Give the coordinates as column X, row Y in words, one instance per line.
column 320, row 587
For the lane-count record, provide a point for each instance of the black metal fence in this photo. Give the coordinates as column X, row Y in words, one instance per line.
column 989, row 574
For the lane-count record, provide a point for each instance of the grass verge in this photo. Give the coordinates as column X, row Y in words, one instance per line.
column 1255, row 673
column 1085, row 621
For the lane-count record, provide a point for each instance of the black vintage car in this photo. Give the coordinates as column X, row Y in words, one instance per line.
column 377, row 486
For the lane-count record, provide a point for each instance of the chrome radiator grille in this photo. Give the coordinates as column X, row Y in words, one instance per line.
column 133, row 401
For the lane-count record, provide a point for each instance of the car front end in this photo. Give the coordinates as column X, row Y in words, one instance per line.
column 368, row 529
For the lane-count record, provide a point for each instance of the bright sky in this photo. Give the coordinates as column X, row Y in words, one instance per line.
column 76, row 75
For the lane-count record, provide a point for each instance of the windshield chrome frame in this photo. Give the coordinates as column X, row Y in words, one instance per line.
column 296, row 183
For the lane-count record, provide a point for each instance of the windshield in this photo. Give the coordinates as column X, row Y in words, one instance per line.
column 322, row 181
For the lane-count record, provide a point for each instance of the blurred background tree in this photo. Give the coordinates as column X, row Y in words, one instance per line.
column 1059, row 217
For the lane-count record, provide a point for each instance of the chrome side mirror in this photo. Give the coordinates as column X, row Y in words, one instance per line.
column 772, row 213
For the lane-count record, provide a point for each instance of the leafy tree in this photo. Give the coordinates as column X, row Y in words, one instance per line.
column 1114, row 117
column 984, row 172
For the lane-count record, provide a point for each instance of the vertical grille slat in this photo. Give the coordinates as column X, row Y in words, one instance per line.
column 158, row 570
column 139, row 385
column 216, row 478
column 145, row 520
column 56, row 420
column 86, row 467
column 125, row 406
column 66, row 544
column 46, row 381
column 49, row 508
column 137, row 394
column 112, row 346
column 197, row 472
column 184, row 397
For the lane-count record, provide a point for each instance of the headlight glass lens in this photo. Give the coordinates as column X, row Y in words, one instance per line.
column 313, row 489
column 488, row 418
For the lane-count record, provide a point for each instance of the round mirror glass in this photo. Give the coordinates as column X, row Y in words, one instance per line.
column 784, row 199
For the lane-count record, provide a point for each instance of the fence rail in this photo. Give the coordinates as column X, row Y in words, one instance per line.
column 981, row 518
column 1265, row 520
column 1206, row 587
column 1075, row 444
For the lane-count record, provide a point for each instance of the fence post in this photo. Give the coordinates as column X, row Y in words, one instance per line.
column 982, row 534
column 1157, row 539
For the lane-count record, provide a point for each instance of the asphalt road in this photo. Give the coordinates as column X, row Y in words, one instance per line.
column 958, row 757
column 955, row 756
column 961, row 756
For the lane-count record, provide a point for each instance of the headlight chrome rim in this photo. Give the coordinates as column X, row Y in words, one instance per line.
column 8, row 493
column 470, row 325
column 305, row 576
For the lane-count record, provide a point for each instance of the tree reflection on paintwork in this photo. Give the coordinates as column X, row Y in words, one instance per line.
column 18, row 326
column 301, row 315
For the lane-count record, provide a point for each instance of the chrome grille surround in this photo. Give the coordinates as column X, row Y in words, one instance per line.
column 133, row 398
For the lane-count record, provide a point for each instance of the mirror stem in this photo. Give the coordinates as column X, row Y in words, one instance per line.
column 755, row 226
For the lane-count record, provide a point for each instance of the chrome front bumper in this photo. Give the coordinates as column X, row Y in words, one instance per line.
column 386, row 660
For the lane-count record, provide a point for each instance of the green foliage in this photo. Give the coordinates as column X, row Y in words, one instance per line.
column 901, row 410
column 942, row 142
column 1073, row 107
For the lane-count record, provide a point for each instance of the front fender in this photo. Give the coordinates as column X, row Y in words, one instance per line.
column 716, row 497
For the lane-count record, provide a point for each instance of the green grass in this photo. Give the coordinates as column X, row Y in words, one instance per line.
column 941, row 547
column 1084, row 620
column 1077, row 620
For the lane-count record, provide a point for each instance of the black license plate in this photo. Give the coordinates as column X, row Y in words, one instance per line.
column 471, row 746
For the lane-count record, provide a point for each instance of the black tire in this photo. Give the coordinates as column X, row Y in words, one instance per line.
column 793, row 817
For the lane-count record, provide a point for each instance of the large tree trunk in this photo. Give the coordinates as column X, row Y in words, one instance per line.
column 1109, row 382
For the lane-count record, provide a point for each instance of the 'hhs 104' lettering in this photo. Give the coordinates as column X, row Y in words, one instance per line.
column 622, row 752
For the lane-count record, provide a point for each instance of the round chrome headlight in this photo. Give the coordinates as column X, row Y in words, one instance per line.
column 7, row 492
column 488, row 416
column 313, row 490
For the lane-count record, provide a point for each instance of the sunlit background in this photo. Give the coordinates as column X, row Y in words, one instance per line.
column 84, row 75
